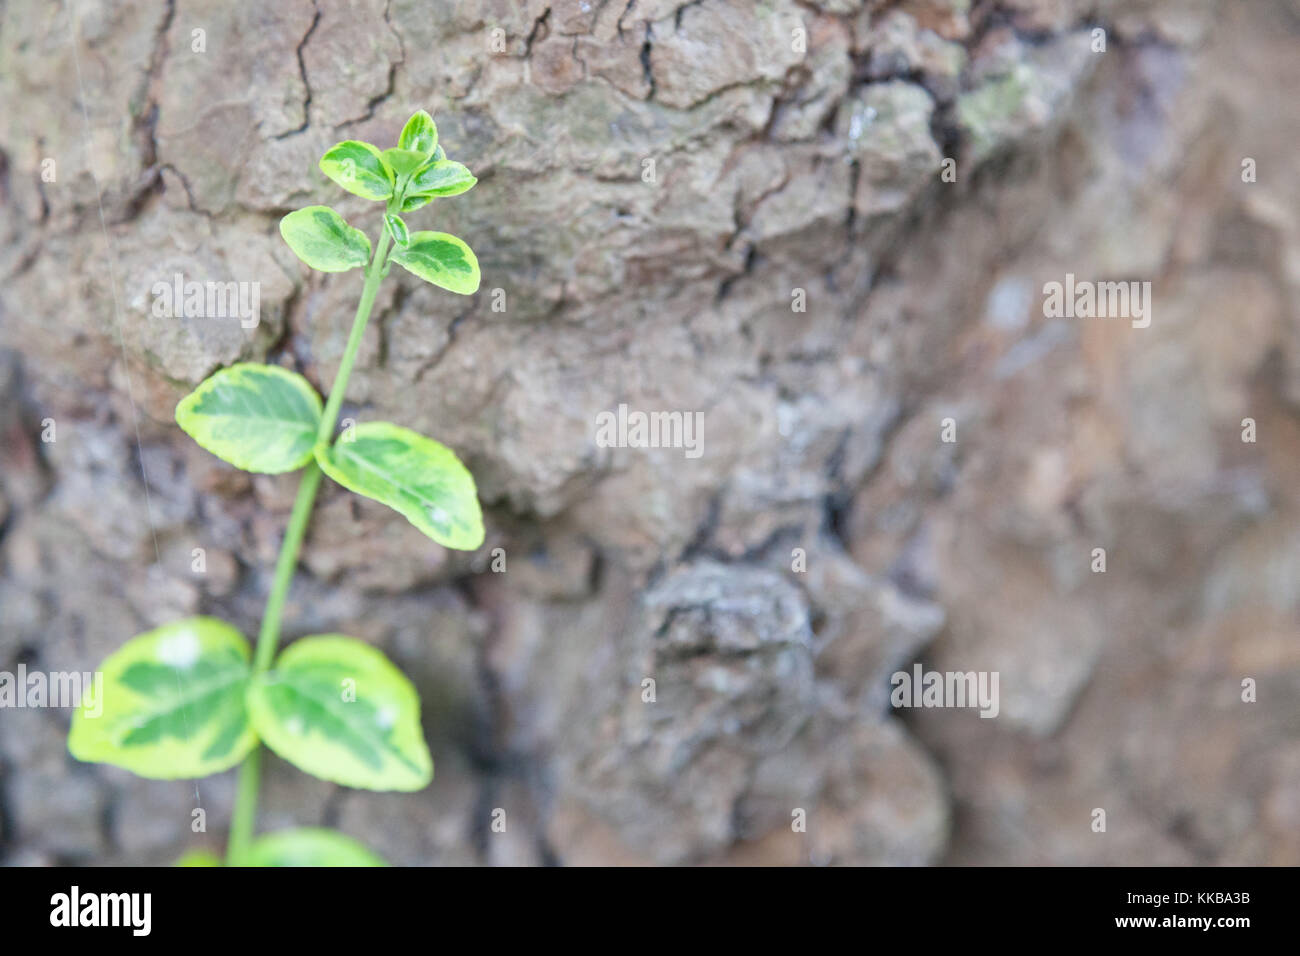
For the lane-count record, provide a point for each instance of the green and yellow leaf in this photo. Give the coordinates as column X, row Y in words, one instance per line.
column 308, row 846
column 420, row 133
column 414, row 475
column 172, row 703
column 339, row 709
column 359, row 168
column 404, row 161
column 445, row 178
column 322, row 238
column 260, row 418
column 397, row 229
column 441, row 259
column 412, row 202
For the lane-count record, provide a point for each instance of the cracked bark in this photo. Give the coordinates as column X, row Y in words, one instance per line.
column 666, row 295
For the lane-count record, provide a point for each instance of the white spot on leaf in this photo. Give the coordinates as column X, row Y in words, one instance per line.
column 179, row 650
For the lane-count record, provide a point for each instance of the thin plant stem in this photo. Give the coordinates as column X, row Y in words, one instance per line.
column 243, row 818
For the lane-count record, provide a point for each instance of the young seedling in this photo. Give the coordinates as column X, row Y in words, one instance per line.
column 190, row 698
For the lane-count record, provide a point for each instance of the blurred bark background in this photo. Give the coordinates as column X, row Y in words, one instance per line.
column 660, row 184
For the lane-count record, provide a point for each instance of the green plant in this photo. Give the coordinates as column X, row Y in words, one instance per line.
column 190, row 698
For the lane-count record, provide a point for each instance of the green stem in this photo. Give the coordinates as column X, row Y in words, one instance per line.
column 241, row 820
column 374, row 275
column 250, row 772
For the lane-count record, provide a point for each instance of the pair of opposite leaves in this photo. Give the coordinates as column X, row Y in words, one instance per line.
column 182, row 702
column 264, row 418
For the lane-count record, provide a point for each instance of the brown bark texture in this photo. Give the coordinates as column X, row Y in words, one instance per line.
column 825, row 226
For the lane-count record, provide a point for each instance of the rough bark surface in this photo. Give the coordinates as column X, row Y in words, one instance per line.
column 659, row 183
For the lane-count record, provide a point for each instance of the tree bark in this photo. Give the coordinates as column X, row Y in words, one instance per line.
column 822, row 231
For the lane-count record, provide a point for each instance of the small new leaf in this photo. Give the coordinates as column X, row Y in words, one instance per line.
column 260, row 418
column 412, row 203
column 321, row 238
column 414, row 475
column 397, row 229
column 420, row 134
column 171, row 704
column 404, row 161
column 441, row 259
column 339, row 709
column 359, row 168
column 309, row 846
